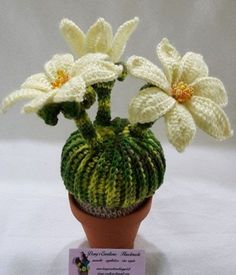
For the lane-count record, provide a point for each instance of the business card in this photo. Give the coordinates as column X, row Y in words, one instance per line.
column 87, row 261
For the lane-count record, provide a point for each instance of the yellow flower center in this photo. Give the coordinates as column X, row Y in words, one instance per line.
column 62, row 77
column 181, row 92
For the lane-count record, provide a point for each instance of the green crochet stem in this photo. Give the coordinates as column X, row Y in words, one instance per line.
column 140, row 129
column 103, row 91
column 86, row 127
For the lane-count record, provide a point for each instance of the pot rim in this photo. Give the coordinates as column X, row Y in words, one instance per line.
column 134, row 217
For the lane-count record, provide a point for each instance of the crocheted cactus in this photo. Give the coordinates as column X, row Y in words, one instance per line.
column 123, row 169
column 110, row 164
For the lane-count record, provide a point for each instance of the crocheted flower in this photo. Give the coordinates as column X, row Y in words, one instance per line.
column 99, row 37
column 63, row 80
column 184, row 94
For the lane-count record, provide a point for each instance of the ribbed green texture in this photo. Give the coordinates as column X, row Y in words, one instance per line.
column 122, row 169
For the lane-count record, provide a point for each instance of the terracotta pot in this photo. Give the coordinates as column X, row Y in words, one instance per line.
column 114, row 232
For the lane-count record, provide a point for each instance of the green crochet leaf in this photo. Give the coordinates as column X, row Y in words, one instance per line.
column 49, row 113
column 70, row 110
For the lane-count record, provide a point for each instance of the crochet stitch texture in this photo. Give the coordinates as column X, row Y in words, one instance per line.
column 120, row 171
column 112, row 165
column 99, row 37
column 183, row 93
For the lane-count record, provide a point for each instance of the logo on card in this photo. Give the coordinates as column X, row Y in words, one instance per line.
column 82, row 263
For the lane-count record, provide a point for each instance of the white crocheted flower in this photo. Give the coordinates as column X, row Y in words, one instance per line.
column 184, row 94
column 63, row 80
column 99, row 37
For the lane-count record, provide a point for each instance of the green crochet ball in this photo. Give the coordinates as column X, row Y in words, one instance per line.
column 123, row 169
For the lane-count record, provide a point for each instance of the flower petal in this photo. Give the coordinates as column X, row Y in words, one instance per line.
column 73, row 35
column 169, row 58
column 211, row 88
column 142, row 68
column 63, row 62
column 37, row 81
column 210, row 117
column 73, row 90
column 18, row 95
column 36, row 104
column 101, row 71
column 149, row 105
column 191, row 67
column 89, row 58
column 99, row 37
column 121, row 37
column 180, row 127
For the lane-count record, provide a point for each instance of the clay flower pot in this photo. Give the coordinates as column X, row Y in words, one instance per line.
column 113, row 232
